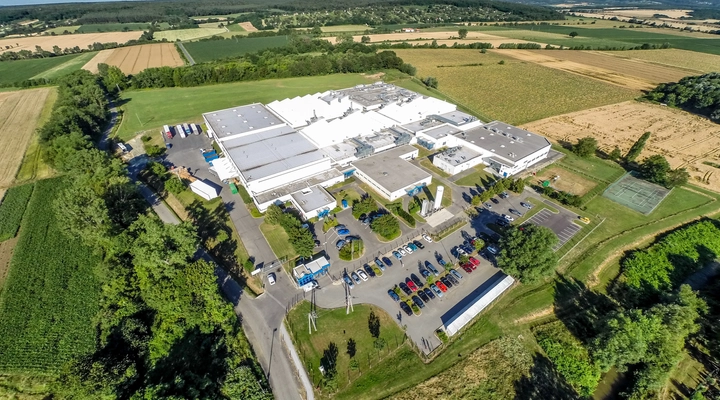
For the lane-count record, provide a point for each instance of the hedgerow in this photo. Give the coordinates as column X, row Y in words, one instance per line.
column 12, row 209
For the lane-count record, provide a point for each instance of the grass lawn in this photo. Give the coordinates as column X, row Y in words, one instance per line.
column 545, row 92
column 427, row 164
column 478, row 177
column 432, row 189
column 20, row 70
column 151, row 109
column 335, row 326
column 278, row 240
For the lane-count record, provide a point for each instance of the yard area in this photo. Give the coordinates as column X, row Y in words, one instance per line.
column 477, row 177
column 278, row 240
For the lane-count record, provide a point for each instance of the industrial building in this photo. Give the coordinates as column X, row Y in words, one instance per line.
column 291, row 149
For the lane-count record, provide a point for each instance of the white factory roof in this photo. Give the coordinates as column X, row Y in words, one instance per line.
column 390, row 171
column 242, row 119
column 299, row 111
column 328, row 132
column 469, row 307
column 415, row 109
column 506, row 141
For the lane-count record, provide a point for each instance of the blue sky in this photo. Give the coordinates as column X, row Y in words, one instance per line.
column 32, row 2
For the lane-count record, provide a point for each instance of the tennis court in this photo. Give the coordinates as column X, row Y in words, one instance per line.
column 635, row 193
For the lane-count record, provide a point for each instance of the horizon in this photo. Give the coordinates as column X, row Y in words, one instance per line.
column 12, row 3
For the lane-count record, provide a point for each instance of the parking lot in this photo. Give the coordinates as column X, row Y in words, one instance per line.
column 563, row 227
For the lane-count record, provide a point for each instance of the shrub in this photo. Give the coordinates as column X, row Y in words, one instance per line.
column 154, row 150
column 146, row 138
column 386, row 226
column 570, row 358
column 441, row 335
column 175, row 185
column 352, row 250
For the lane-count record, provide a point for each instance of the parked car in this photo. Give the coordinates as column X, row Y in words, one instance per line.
column 406, row 308
column 340, row 243
column 457, row 251
column 343, row 232
column 271, row 278
column 494, row 200
column 348, row 281
column 429, row 293
column 351, row 238
column 339, row 227
column 467, row 249
column 362, row 274
column 404, row 288
column 387, row 261
column 412, row 246
column 442, row 262
column 488, row 206
column 504, row 195
column 485, row 237
column 408, row 249
column 446, row 282
column 397, row 255
column 423, row 296
column 441, row 286
column 493, row 250
column 475, row 262
column 516, row 212
column 437, row 291
column 393, row 295
column 369, row 270
column 508, row 217
column 402, row 251
column 427, row 238
column 417, row 280
column 418, row 302
column 317, row 243
column 456, row 274
column 526, row 205
column 432, row 268
column 467, row 267
column 356, row 278
column 410, row 284
column 452, row 279
column 380, row 264
column 425, row 273
column 502, row 222
column 418, row 244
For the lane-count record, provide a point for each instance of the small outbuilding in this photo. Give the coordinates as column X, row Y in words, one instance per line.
column 204, row 190
column 309, row 271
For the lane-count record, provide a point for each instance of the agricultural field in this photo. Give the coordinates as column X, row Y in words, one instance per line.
column 346, row 28
column 624, row 72
column 689, row 60
column 515, row 92
column 20, row 70
column 12, row 209
column 149, row 110
column 686, row 140
column 60, row 29
column 235, row 28
column 133, row 59
column 65, row 41
column 248, row 26
column 442, row 37
column 218, row 49
column 69, row 66
column 184, row 35
column 51, row 294
column 92, row 28
column 19, row 114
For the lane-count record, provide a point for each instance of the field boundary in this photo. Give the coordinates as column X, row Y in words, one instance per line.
column 184, row 51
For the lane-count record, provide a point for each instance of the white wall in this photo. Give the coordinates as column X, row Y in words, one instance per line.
column 456, row 169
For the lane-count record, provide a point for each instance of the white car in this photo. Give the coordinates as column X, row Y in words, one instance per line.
column 427, row 238
column 362, row 275
column 509, row 218
column 402, row 251
column 460, row 250
column 271, row 278
column 408, row 249
column 493, row 250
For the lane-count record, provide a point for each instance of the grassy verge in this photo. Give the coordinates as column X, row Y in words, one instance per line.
column 33, row 165
column 278, row 240
column 427, row 164
column 477, row 177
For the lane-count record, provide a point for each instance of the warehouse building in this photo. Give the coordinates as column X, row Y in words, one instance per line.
column 390, row 174
column 472, row 305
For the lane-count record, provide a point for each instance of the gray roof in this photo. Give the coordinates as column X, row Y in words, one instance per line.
column 506, row 141
column 441, row 131
column 242, row 119
column 376, row 93
column 296, row 186
column 310, row 199
column 456, row 117
column 262, row 154
column 457, row 155
column 390, row 171
column 420, row 125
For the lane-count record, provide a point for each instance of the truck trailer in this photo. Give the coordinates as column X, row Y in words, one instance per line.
column 186, row 128
column 195, row 129
column 179, row 129
column 167, row 132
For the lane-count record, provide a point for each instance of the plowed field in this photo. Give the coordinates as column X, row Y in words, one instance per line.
column 19, row 113
column 134, row 59
column 686, row 140
column 65, row 41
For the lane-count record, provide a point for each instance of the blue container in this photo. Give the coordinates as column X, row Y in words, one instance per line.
column 344, row 203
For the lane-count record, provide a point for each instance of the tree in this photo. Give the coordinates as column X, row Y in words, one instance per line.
column 329, row 360
column 527, row 252
column 365, row 205
column 476, row 200
column 616, row 154
column 637, row 147
column 386, row 226
column 174, row 185
column 462, row 33
column 624, row 339
column 585, row 147
column 676, row 177
column 430, row 82
column 518, row 185
column 374, row 324
column 655, row 169
column 479, row 244
column 572, row 34
column 351, row 347
column 365, row 39
column 273, row 214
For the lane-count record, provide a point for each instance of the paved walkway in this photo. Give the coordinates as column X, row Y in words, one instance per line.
column 185, row 52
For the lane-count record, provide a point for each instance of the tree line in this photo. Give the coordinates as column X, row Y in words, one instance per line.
column 164, row 330
column 697, row 94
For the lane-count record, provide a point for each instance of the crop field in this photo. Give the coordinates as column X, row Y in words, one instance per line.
column 60, row 29
column 149, row 110
column 71, row 65
column 235, row 28
column 133, row 59
column 248, row 26
column 686, row 140
column 515, row 92
column 420, row 37
column 19, row 114
column 12, row 209
column 219, row 49
column 689, row 60
column 183, row 35
column 64, row 41
column 20, row 70
column 625, row 72
column 91, row 28
column 346, row 28
column 51, row 294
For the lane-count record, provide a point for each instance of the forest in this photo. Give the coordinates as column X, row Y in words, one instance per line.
column 697, row 94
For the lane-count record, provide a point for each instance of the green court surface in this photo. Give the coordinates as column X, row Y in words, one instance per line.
column 637, row 194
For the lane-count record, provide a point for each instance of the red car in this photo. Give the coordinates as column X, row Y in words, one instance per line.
column 475, row 262
column 468, row 267
column 411, row 285
column 441, row 286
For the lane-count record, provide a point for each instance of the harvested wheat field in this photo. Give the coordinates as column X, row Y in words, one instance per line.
column 567, row 181
column 19, row 113
column 694, row 61
column 65, row 41
column 248, row 26
column 133, row 59
column 686, row 140
column 625, row 72
column 472, row 37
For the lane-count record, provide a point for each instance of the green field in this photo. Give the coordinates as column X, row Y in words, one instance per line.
column 71, row 65
column 218, row 49
column 515, row 92
column 346, row 28
column 51, row 294
column 12, row 209
column 92, row 28
column 151, row 109
column 60, row 29
column 20, row 70
column 187, row 34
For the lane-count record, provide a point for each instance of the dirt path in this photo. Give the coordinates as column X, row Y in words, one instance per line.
column 6, row 252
